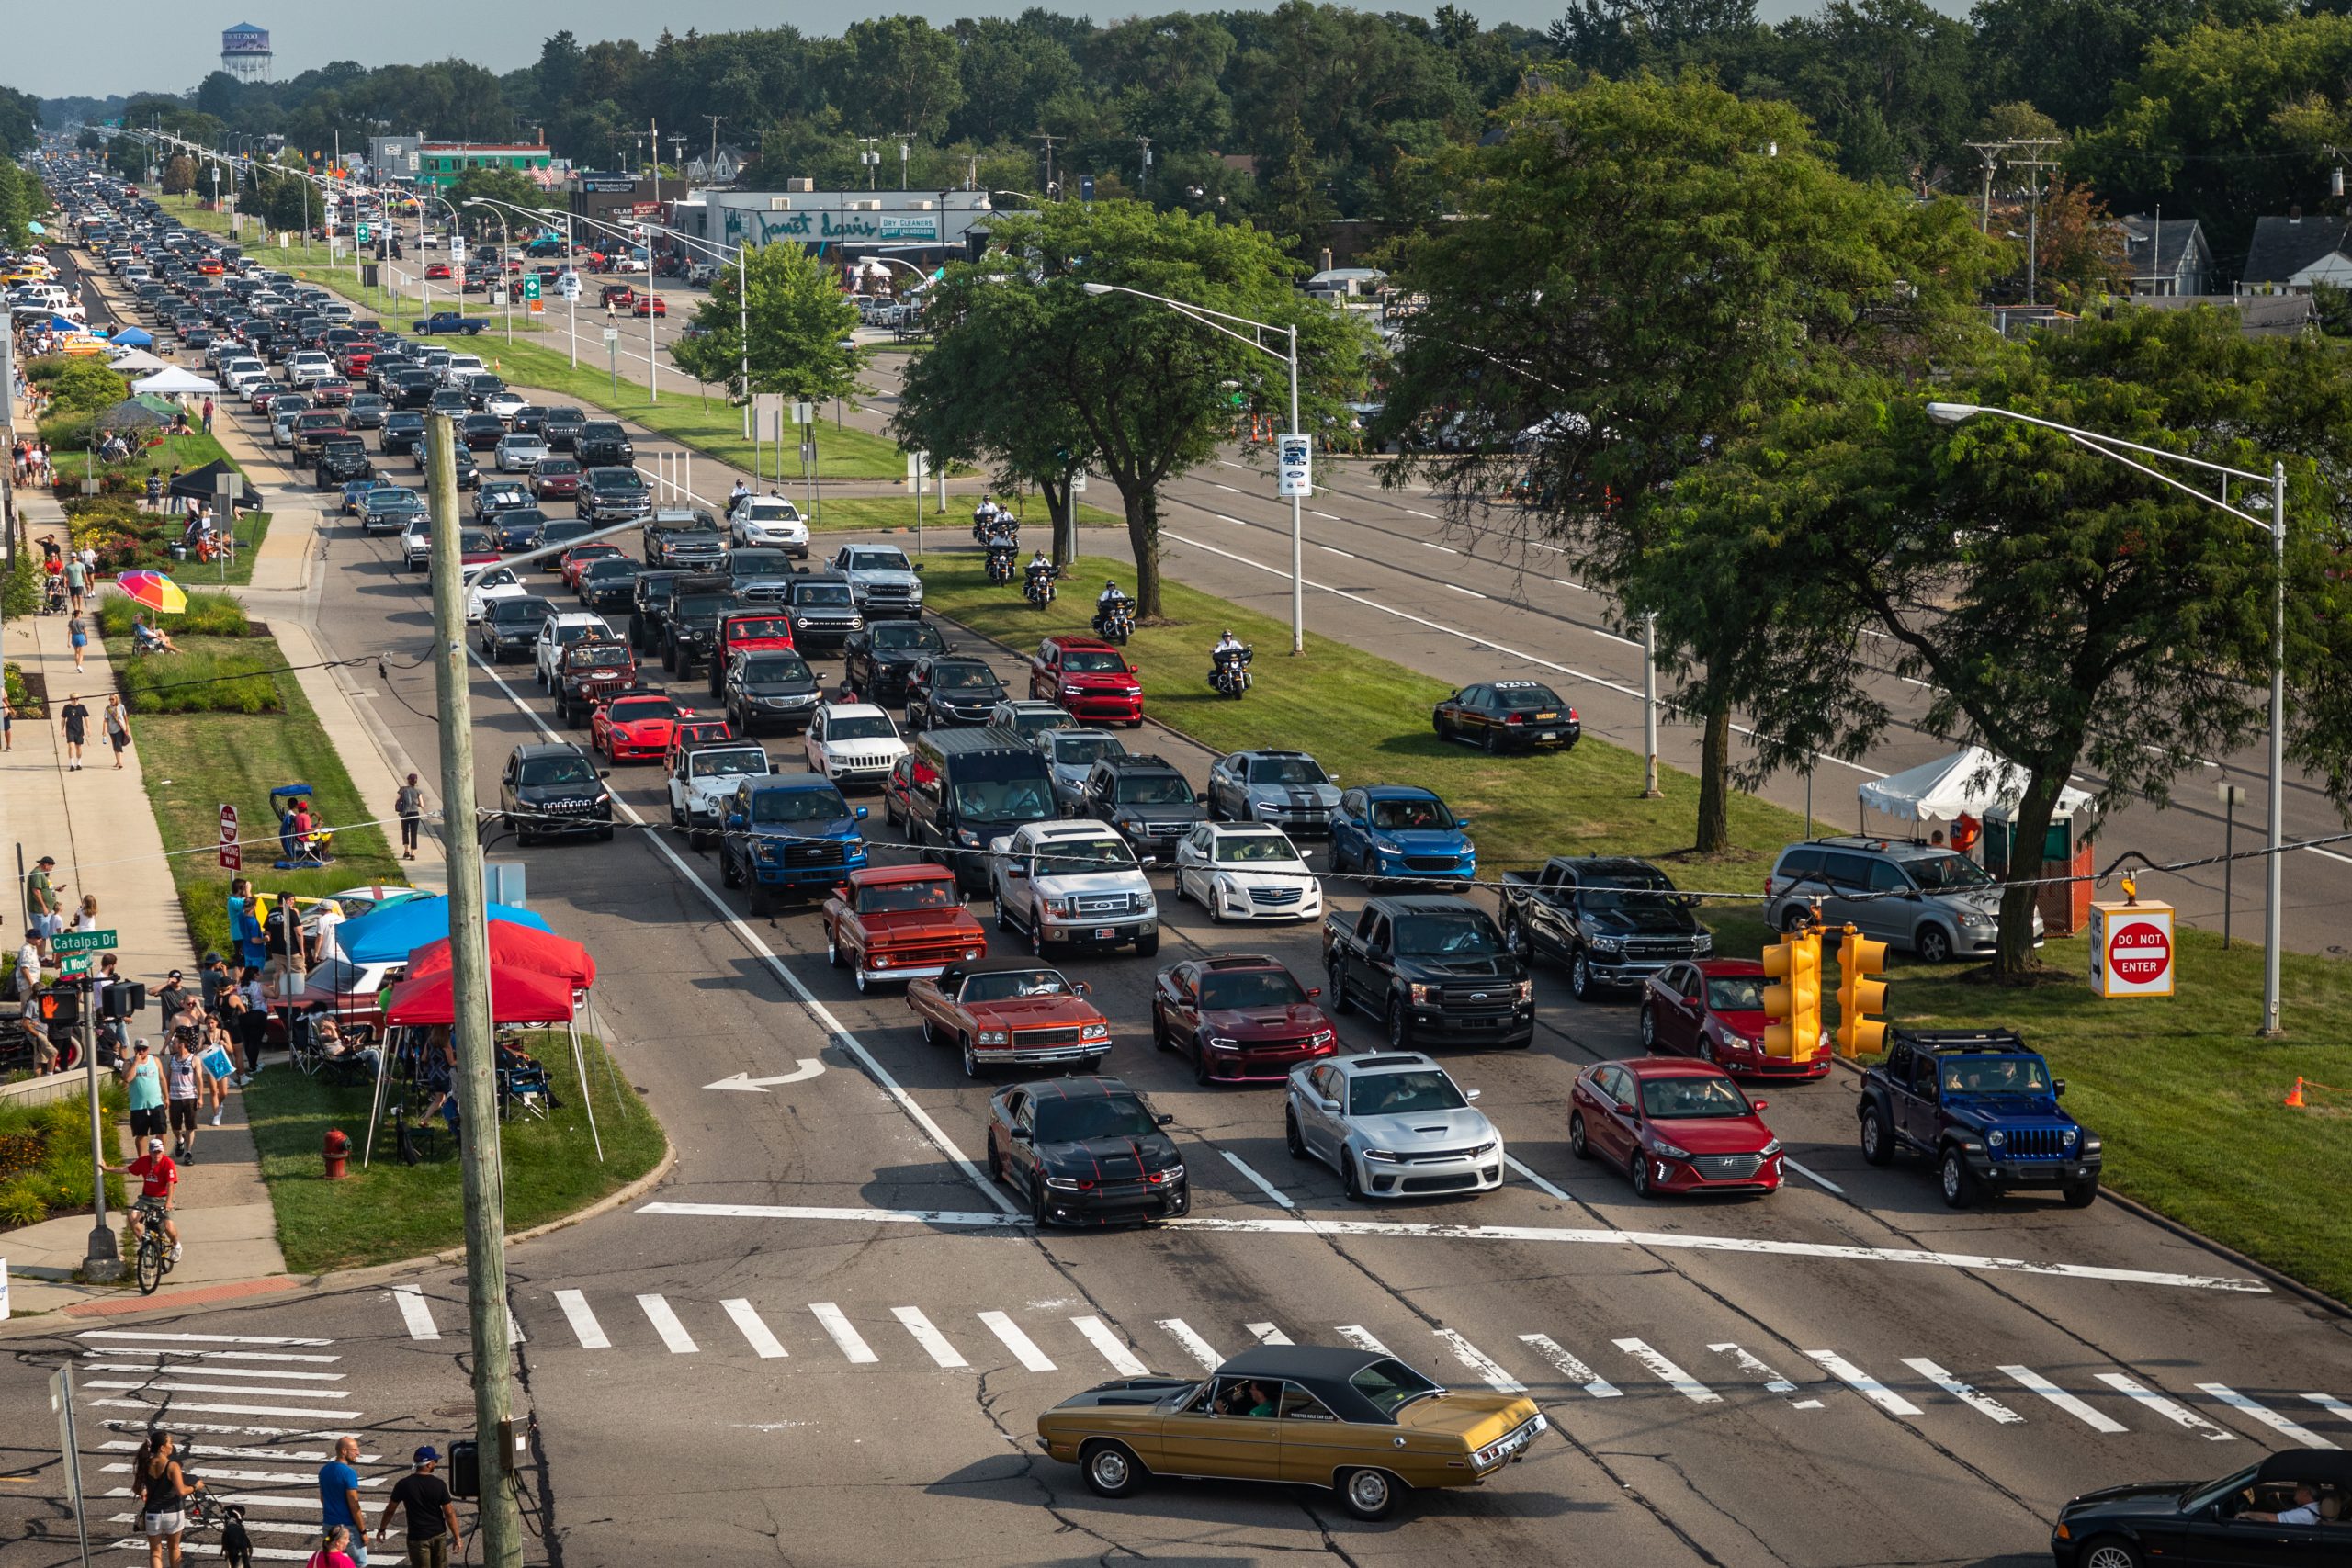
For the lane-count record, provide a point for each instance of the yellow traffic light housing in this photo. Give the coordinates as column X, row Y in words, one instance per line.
column 1859, row 995
column 1794, row 1005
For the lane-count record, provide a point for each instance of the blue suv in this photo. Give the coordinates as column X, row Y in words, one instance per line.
column 789, row 831
column 1984, row 1109
column 1401, row 831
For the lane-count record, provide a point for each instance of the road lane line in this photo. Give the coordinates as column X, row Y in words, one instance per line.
column 2179, row 1414
column 836, row 1322
column 1267, row 1334
column 1862, row 1382
column 1537, row 1181
column 1666, row 1372
column 1569, row 1367
column 1325, row 516
column 755, row 1332
column 838, row 1032
column 1357, row 1335
column 253, row 1527
column 513, row 1329
column 1773, row 1382
column 1331, row 550
column 1431, row 515
column 805, row 1211
column 1222, row 486
column 665, row 1323
column 585, row 1327
column 1024, row 1349
column 113, row 1424
column 1194, row 1345
column 212, row 1371
column 266, row 1477
column 2331, row 1405
column 933, row 1342
column 1471, row 591
column 180, row 1408
column 1489, row 1370
column 1817, row 1180
column 2034, row 1383
column 220, row 1450
column 150, row 1386
column 205, row 1549
column 1443, row 550
column 197, row 1339
column 1260, row 1182
column 1122, row 1361
column 213, row 1355
column 1237, row 522
column 2269, row 1417
column 1984, row 1404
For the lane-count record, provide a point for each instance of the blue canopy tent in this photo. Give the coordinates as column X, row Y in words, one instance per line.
column 134, row 337
column 390, row 935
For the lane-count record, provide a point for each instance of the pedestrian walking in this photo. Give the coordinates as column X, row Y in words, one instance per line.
column 184, row 1082
column 337, row 1549
column 175, row 1004
column 77, row 636
column 432, row 1515
column 207, row 430
column 118, row 727
column 155, row 501
column 163, row 1493
column 41, row 906
column 77, row 582
column 145, row 1082
column 340, row 1509
column 7, row 724
column 26, row 979
column 75, row 719
column 254, row 1030
column 408, row 806
column 86, row 918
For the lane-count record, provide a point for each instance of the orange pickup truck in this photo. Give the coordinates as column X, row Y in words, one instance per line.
column 1012, row 1012
column 900, row 922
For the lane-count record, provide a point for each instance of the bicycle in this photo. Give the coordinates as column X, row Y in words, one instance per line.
column 155, row 1257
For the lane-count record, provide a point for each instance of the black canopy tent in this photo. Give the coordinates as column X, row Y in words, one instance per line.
column 203, row 484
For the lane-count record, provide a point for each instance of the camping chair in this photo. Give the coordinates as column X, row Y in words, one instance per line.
column 523, row 1089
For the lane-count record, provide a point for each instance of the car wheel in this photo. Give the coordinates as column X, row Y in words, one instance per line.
column 1515, row 939
column 2110, row 1551
column 670, row 657
column 833, row 949
column 762, row 904
column 1794, row 919
column 1959, row 1186
column 1112, row 1468
column 727, row 876
column 971, row 1060
column 1201, row 1064
column 1707, row 1049
column 604, row 834
column 1290, row 1138
column 1444, row 730
column 1368, row 1494
column 1400, row 1027
column 1147, row 946
column 1581, row 984
column 1638, row 1171
column 1576, row 1143
column 1036, row 937
column 2082, row 1194
column 1877, row 1147
column 1003, row 920
column 1933, row 943
column 864, row 981
column 1492, row 742
column 1037, row 1215
column 1337, row 990
column 996, row 1164
column 1351, row 1184
column 1649, row 1031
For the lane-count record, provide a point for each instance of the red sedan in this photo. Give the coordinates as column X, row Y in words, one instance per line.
column 556, row 479
column 1715, row 1009
column 1240, row 1018
column 570, row 562
column 436, row 270
column 635, row 723
column 1673, row 1125
column 651, row 305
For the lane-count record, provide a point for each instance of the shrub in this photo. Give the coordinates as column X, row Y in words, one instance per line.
column 24, row 1201
column 20, row 1152
column 203, row 679
column 20, row 697
column 68, row 430
column 20, row 596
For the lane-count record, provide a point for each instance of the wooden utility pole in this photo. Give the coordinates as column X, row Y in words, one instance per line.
column 1990, row 153
column 2033, row 162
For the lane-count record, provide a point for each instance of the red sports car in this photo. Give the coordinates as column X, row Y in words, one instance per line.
column 570, row 562
column 1240, row 1018
column 436, row 270
column 1715, row 1009
column 1673, row 1125
column 635, row 723
column 651, row 304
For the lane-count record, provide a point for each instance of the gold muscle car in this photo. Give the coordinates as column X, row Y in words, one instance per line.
column 1360, row 1422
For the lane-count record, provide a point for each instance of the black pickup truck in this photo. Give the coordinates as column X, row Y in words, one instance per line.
column 650, row 598
column 690, row 618
column 1613, row 920
column 1431, row 967
column 1983, row 1108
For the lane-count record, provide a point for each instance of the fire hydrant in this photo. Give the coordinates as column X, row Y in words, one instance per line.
column 337, row 1152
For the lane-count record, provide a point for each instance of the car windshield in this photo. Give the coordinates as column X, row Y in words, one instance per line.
column 548, row 465
column 520, row 610
column 607, row 569
column 761, row 563
column 476, row 541
column 1994, row 1074
column 1011, row 985
column 1243, row 849
column 1004, row 800
column 1036, row 721
column 573, row 632
column 1689, row 1095
column 1076, row 857
column 1286, row 770
column 558, row 770
column 877, row 560
column 822, row 593
column 773, row 512
column 1465, row 935
column 1083, row 751
column 1945, row 873
column 1735, row 993
column 907, row 634
column 1390, row 1385
column 730, row 764
column 1395, row 814
column 862, row 727
column 896, row 897
column 638, row 710
column 961, row 677
column 1154, row 789
column 1091, row 660
column 797, row 805
column 386, row 499
column 776, row 667
column 1093, row 1116
column 759, row 627
column 1403, row 1094
column 1249, row 988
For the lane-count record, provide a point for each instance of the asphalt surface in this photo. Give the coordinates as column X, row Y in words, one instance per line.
column 824, row 1340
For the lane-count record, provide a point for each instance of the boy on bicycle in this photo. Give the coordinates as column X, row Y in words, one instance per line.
column 157, row 1176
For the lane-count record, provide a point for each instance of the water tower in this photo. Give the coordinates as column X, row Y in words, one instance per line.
column 244, row 52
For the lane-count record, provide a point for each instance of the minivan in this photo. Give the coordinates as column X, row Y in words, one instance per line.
column 1923, row 898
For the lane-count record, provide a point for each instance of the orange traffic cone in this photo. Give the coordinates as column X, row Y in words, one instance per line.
column 2295, row 1100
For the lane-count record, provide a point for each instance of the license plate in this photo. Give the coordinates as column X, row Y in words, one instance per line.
column 1549, row 735
column 1104, row 933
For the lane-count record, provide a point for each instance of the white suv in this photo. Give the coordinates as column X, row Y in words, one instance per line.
column 1074, row 883
column 852, row 744
column 308, row 367
column 768, row 520
column 559, row 632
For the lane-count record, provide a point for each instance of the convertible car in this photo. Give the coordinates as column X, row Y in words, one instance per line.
column 1003, row 1012
column 1360, row 1422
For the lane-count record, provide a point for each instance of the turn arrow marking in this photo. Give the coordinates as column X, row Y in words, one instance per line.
column 801, row 1074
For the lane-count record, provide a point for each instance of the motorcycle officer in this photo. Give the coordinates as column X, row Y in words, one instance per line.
column 1039, row 577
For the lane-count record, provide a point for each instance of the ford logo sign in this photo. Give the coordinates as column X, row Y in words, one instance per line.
column 1477, row 995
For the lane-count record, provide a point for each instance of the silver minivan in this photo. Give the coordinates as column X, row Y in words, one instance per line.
column 1921, row 898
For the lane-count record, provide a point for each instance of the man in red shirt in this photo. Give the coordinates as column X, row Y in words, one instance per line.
column 157, row 1177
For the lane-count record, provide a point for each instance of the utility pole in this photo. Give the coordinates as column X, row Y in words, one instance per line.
column 653, row 145
column 710, row 171
column 1990, row 153
column 1050, row 193
column 2034, row 164
column 485, row 1182
column 869, row 152
column 1143, row 179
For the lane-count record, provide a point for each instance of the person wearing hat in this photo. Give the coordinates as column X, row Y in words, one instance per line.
column 144, row 1078
column 157, row 1177
column 41, row 906
column 432, row 1515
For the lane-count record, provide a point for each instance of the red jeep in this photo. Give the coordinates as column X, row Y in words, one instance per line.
column 594, row 669
column 765, row 629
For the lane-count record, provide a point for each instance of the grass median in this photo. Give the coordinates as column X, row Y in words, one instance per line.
column 877, row 513
column 388, row 1210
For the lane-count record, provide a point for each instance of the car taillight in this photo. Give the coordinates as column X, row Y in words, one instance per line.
column 1767, row 887
column 1572, row 716
column 1516, row 719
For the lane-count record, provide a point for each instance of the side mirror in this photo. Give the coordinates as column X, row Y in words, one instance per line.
column 1018, row 1134
column 2057, row 1086
column 1331, row 1105
column 861, row 814
column 1201, row 799
column 1624, row 1108
column 1314, row 990
column 734, row 820
column 918, row 566
column 1470, row 1094
column 1016, row 873
column 1081, row 987
column 1757, row 1104
column 603, row 772
column 1165, row 1119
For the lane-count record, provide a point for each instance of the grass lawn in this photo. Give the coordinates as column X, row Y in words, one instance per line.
column 2190, row 1103
column 872, row 513
column 389, row 1211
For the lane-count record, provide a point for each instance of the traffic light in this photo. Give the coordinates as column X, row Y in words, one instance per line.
column 1795, row 1004
column 124, row 998
column 1859, row 995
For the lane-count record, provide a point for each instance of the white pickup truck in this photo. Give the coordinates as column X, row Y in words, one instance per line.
column 701, row 777
column 1074, row 884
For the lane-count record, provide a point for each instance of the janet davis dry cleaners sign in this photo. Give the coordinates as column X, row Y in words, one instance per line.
column 2131, row 950
column 817, row 225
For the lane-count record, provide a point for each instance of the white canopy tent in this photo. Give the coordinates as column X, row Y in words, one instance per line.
column 1973, row 781
column 174, row 382
column 132, row 361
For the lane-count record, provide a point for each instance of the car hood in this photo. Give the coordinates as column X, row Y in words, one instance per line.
column 1424, row 1128
column 1423, row 841
column 2009, row 1110
column 1253, row 1023
column 593, row 789
column 1062, row 884
column 1168, row 813
column 1642, row 919
column 895, row 658
column 638, row 725
column 1099, row 679
column 1110, row 1159
column 774, row 688
column 1713, row 1134
column 1323, row 796
column 1269, row 873
column 1033, row 1012
column 922, row 925
column 968, row 696
column 1750, row 1024
column 820, row 827
column 2136, row 1497
column 885, row 577
column 705, row 791
column 1500, row 969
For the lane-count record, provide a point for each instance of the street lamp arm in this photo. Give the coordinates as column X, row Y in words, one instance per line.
column 2097, row 444
column 1952, row 414
column 1201, row 313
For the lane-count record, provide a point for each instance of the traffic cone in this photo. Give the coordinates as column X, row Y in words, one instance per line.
column 2295, row 1100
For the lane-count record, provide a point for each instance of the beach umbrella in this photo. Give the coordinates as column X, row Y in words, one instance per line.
column 155, row 591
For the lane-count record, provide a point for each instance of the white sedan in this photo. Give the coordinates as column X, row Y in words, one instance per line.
column 1247, row 870
column 768, row 520
column 852, row 744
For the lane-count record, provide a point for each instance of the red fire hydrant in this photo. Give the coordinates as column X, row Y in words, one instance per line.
column 337, row 1151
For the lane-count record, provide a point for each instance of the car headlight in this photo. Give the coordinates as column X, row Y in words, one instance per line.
column 1419, row 993
column 1996, row 1138
column 1063, row 1184
column 1489, row 1147
column 1770, row 1149
column 1380, row 1157
column 1974, row 917
column 2093, row 1146
column 1173, row 1173
column 1094, row 1032
column 1670, row 1151
column 857, row 622
column 1608, row 944
column 992, row 1037
column 1527, row 991
column 2068, row 1137
column 967, row 838
column 1219, row 1043
column 1383, row 846
column 1322, row 1037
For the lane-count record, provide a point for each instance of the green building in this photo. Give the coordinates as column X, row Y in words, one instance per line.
column 438, row 164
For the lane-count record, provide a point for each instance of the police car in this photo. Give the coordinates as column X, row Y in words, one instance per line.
column 1508, row 715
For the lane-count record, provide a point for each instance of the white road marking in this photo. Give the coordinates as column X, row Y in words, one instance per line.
column 1357, row 1335
column 1862, row 1382
column 585, row 1327
column 755, row 1332
column 1443, row 550
column 1431, row 515
column 801, row 1211
column 266, row 1477
column 2177, row 1413
column 2034, row 1383
column 1666, row 1372
column 838, row 1032
column 665, row 1323
column 1326, row 517
column 179, row 1426
column 1817, row 1180
column 253, row 1527
column 1983, row 1404
column 220, row 1450
column 1533, row 1179
column 153, row 1387
column 933, row 1342
column 2331, row 1405
column 1267, row 1334
column 212, row 1371
column 513, row 1329
column 2328, row 854
column 1773, row 1382
column 1570, row 1368
column 1225, row 517
column 1194, row 1345
column 809, row 1068
column 1471, row 591
column 1122, row 1359
column 2269, row 1417
column 1224, row 487
column 197, row 1339
column 182, row 1407
column 213, row 1355
column 1260, row 1182
column 1024, row 1349
column 1489, row 1371
column 210, row 1549
column 836, row 1322
column 1329, row 550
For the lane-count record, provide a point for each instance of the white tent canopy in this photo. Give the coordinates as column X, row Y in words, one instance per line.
column 137, row 359
column 174, row 381
column 1973, row 781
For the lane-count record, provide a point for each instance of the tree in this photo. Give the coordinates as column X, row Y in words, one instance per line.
column 2081, row 250
column 1887, row 81
column 179, row 174
column 1617, row 38
column 1641, row 273
column 899, row 76
column 484, row 181
column 84, row 385
column 800, row 324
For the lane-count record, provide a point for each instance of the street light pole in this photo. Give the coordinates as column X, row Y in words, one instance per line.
column 1297, row 528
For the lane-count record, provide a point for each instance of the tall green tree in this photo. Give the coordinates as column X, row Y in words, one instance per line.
column 900, row 76
column 800, row 326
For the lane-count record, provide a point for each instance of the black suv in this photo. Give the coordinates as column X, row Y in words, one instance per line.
column 1983, row 1108
column 824, row 609
column 876, row 661
column 768, row 688
column 553, row 789
column 949, row 689
column 611, row 494
column 512, row 625
column 690, row 619
column 650, row 594
column 561, row 427
column 1145, row 798
column 342, row 458
column 481, row 431
column 601, row 441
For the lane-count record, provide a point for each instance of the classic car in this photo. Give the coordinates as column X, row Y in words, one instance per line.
column 1673, row 1125
column 1241, row 1017
column 1011, row 1012
column 1359, row 1422
column 634, row 724
column 1086, row 1151
column 1714, row 1009
column 2292, row 1508
column 900, row 922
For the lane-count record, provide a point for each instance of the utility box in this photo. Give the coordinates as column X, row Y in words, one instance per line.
column 502, row 882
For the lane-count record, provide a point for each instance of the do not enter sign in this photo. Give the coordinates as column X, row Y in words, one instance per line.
column 2131, row 949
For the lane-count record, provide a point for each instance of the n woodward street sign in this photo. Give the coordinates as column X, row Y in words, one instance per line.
column 82, row 942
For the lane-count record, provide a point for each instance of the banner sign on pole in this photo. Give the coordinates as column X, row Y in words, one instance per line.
column 767, row 416
column 1295, row 464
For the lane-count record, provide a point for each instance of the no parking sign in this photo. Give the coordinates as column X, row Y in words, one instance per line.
column 2131, row 950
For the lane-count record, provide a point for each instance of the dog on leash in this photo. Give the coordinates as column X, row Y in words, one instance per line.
column 236, row 1546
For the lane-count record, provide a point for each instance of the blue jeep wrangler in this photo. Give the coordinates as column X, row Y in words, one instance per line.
column 1983, row 1108
column 787, row 830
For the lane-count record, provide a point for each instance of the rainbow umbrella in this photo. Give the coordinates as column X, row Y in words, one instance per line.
column 155, row 591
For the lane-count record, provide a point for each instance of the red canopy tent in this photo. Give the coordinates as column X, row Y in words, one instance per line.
column 514, row 946
column 516, row 996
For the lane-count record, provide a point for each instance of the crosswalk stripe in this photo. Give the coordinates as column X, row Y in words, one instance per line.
column 836, row 1322
column 153, row 1387
column 1024, row 1349
column 178, row 1425
column 1357, row 1335
column 261, row 1477
column 1755, row 1367
column 2331, row 1405
column 2034, row 1383
column 1666, row 1371
column 212, row 1371
column 2269, row 1417
column 665, row 1323
column 307, row 1503
column 1122, row 1359
column 1194, row 1345
column 1489, row 1370
column 253, row 1527
column 2179, row 1414
column 1984, row 1404
column 933, row 1342
column 755, row 1332
column 162, row 1350
column 223, row 1451
column 1569, row 1367
column 513, row 1329
column 1862, row 1382
column 197, row 1339
column 212, row 1548
column 585, row 1327
column 1267, row 1334
column 183, row 1407
column 414, row 1313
